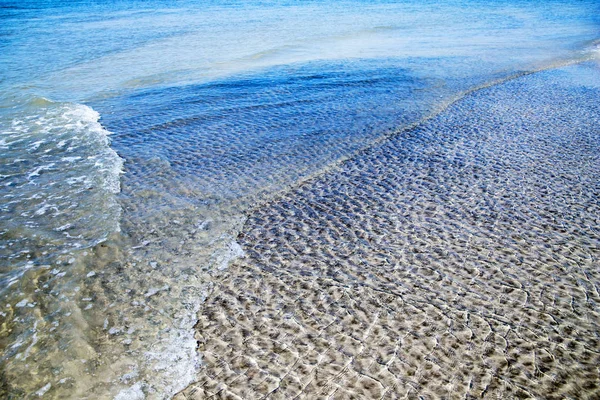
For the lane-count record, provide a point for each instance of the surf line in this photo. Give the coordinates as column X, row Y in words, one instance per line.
column 265, row 198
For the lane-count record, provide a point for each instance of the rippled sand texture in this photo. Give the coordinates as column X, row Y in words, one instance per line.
column 457, row 260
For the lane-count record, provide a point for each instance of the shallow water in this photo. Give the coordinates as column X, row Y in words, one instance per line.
column 455, row 260
column 136, row 137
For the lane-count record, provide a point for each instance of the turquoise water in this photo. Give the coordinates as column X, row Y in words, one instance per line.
column 136, row 136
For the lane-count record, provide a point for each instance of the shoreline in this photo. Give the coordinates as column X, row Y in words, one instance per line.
column 449, row 260
column 148, row 146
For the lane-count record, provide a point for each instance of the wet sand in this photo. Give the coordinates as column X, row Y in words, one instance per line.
column 457, row 260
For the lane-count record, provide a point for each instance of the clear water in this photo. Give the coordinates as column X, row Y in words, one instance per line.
column 136, row 136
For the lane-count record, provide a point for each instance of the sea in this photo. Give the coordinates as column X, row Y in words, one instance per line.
column 137, row 135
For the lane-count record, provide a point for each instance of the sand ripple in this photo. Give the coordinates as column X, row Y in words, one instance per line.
column 458, row 260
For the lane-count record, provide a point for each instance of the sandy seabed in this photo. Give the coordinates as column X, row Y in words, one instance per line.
column 457, row 260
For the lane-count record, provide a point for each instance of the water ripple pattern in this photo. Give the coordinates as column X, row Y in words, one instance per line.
column 110, row 244
column 458, row 260
column 57, row 166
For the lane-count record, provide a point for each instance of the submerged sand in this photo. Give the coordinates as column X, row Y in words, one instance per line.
column 457, row 260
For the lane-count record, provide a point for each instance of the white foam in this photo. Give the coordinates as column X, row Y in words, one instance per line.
column 36, row 145
column 175, row 359
column 71, row 159
column 43, row 210
column 43, row 390
column 155, row 290
column 36, row 171
column 22, row 303
column 34, row 340
column 63, row 227
column 84, row 121
column 133, row 393
column 47, row 181
column 227, row 254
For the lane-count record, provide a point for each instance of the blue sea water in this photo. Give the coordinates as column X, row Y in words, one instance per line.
column 136, row 135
